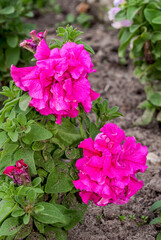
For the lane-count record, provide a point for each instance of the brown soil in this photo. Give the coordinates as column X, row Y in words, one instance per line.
column 116, row 83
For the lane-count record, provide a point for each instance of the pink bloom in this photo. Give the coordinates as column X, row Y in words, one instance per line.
column 19, row 174
column 31, row 44
column 59, row 81
column 108, row 167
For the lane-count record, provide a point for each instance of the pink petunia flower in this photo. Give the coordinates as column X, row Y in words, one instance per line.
column 19, row 174
column 31, row 44
column 59, row 81
column 108, row 167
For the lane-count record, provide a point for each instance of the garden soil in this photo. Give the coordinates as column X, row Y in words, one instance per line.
column 117, row 84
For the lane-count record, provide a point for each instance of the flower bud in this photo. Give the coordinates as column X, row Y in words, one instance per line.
column 31, row 44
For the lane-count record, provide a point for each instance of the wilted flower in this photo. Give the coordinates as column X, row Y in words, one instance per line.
column 31, row 44
column 59, row 81
column 19, row 174
column 107, row 170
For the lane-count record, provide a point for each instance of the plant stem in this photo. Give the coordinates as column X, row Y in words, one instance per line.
column 81, row 128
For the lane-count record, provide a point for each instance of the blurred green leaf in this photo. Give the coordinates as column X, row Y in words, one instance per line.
column 7, row 10
column 12, row 41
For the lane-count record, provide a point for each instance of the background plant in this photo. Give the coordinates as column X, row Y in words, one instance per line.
column 41, row 5
column 144, row 37
column 12, row 30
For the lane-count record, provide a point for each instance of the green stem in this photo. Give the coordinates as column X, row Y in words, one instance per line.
column 81, row 128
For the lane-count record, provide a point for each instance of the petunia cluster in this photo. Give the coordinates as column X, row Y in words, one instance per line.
column 113, row 11
column 19, row 174
column 59, row 81
column 109, row 165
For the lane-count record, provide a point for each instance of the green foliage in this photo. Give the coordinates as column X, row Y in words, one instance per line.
column 12, row 31
column 40, row 5
column 71, row 35
column 144, row 38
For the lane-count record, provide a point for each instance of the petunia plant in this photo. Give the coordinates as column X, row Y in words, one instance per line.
column 46, row 179
column 143, row 36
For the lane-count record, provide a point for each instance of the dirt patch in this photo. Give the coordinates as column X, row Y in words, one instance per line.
column 116, row 83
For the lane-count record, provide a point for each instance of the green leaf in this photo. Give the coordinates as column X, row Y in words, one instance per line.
column 58, row 182
column 9, row 148
column 36, row 182
column 150, row 15
column 31, row 196
column 50, row 215
column 13, row 136
column 24, row 101
column 10, row 226
column 39, row 226
column 146, row 118
column 76, row 216
column 8, row 10
column 121, row 15
column 5, row 209
column 132, row 11
column 86, row 46
column 158, row 236
column 70, row 18
column 21, row 118
column 12, row 41
column 18, row 213
column 37, row 146
column 60, row 30
column 12, row 56
column 37, row 133
column 38, row 209
column 5, row 161
column 157, row 20
column 93, row 130
column 27, row 155
column 155, row 99
column 47, row 164
column 125, row 40
column 155, row 206
column 73, row 153
column 3, row 138
column 145, row 104
column 156, row 37
column 67, row 133
column 156, row 220
column 26, row 219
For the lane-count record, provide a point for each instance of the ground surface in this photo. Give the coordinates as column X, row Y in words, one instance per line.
column 117, row 84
